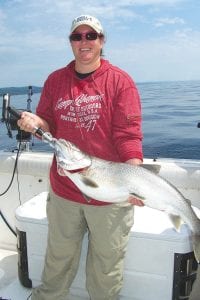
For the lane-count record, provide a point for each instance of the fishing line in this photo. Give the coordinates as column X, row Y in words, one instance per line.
column 7, row 224
column 29, row 296
column 9, row 186
column 17, row 173
column 14, row 170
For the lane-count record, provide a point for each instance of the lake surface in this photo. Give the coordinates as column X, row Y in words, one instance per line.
column 171, row 112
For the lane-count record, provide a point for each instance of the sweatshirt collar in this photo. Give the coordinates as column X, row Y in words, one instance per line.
column 103, row 67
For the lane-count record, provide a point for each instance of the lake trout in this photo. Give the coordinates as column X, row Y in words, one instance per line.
column 115, row 182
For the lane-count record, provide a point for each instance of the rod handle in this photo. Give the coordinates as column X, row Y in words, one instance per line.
column 17, row 114
column 14, row 112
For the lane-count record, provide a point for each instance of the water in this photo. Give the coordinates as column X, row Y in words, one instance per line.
column 171, row 111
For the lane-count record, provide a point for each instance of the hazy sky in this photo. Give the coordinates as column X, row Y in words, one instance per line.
column 153, row 40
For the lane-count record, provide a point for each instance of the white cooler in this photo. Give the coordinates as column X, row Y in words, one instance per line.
column 159, row 262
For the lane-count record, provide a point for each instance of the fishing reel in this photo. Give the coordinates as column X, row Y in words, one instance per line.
column 23, row 138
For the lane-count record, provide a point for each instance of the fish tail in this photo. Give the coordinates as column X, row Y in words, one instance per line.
column 196, row 247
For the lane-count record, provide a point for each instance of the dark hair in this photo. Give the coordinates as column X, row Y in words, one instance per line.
column 101, row 36
column 102, row 52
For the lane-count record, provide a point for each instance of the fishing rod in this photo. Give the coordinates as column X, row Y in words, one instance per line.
column 23, row 138
column 59, row 146
column 29, row 100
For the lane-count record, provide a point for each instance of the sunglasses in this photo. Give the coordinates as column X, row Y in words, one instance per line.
column 90, row 36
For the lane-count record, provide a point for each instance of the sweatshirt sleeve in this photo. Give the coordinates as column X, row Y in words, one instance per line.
column 44, row 108
column 126, row 127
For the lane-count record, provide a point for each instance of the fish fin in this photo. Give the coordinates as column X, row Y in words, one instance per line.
column 89, row 182
column 176, row 221
column 196, row 247
column 153, row 168
column 137, row 196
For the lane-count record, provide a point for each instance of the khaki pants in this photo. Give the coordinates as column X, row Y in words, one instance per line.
column 108, row 231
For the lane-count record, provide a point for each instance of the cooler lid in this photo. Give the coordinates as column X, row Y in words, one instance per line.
column 33, row 210
column 155, row 224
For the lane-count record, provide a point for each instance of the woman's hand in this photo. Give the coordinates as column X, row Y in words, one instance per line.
column 30, row 122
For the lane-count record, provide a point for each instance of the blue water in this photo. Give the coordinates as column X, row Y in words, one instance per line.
column 171, row 111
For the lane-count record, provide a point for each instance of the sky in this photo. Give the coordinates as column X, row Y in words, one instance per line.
column 152, row 40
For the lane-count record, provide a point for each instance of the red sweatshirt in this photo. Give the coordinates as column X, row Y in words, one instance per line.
column 100, row 114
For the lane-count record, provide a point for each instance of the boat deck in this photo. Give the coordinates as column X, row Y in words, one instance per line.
column 10, row 286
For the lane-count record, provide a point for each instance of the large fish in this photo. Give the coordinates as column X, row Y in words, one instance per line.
column 116, row 182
